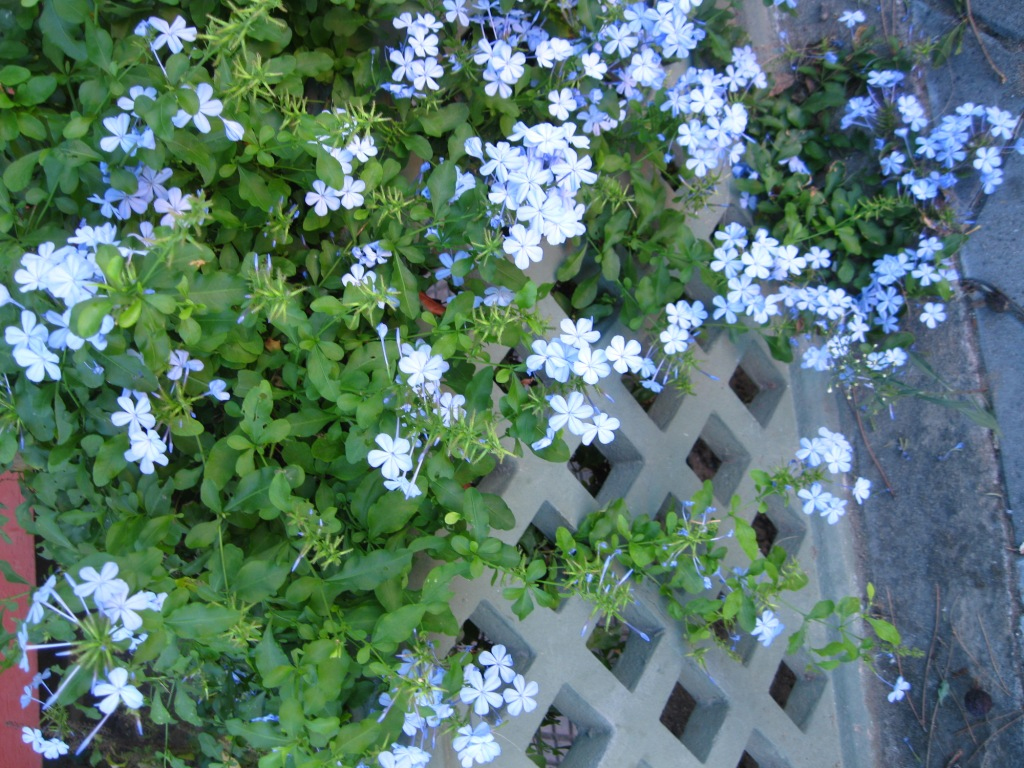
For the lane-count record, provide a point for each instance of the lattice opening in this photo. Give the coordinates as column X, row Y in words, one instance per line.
column 704, row 462
column 797, row 694
column 782, row 684
column 741, row 644
column 780, row 526
column 486, row 627
column 765, row 531
column 744, row 387
column 678, row 710
column 571, row 734
column 719, row 457
column 757, row 384
column 590, row 467
column 761, row 753
column 552, row 742
column 621, row 646
column 606, row 471
column 670, row 504
column 644, row 396
column 694, row 713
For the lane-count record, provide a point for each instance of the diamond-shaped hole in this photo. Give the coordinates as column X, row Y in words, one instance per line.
column 761, row 753
column 486, row 628
column 694, row 714
column 670, row 504
column 746, row 388
column 590, row 467
column 739, row 644
column 571, row 734
column 757, row 383
column 780, row 526
column 678, row 710
column 797, row 695
column 644, row 396
column 783, row 684
column 718, row 456
column 553, row 741
column 765, row 531
column 625, row 647
column 703, row 461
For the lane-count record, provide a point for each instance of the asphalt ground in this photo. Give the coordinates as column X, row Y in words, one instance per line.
column 940, row 538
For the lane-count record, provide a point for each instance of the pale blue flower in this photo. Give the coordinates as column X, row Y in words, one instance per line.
column 481, row 690
column 767, row 628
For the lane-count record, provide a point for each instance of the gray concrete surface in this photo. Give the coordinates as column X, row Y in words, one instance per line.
column 942, row 547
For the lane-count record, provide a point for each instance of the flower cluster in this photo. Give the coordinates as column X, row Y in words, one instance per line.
column 573, row 354
column 421, row 375
column 925, row 159
column 106, row 635
column 486, row 689
column 832, row 451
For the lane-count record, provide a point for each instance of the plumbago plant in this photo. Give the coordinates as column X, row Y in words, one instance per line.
column 254, row 275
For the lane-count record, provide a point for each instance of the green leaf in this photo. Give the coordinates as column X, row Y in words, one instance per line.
column 11, row 575
column 268, row 655
column 886, row 632
column 356, row 738
column 202, row 621
column 259, row 579
column 87, row 316
column 747, row 538
column 363, row 572
column 441, row 184
column 12, row 75
column 109, row 462
column 408, row 289
column 18, row 174
column 126, row 371
column 476, row 513
column 202, row 535
column 59, row 33
column 257, row 735
column 419, row 146
column 158, row 712
column 444, row 120
column 308, row 422
column 185, row 707
column 398, row 626
column 329, row 170
column 323, row 374
column 389, row 514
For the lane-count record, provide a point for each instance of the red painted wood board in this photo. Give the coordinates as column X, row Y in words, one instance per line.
column 20, row 553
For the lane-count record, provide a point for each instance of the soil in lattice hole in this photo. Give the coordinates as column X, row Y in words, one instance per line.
column 782, row 685
column 473, row 637
column 590, row 467
column 746, row 388
column 608, row 641
column 119, row 741
column 746, row 761
column 703, row 461
column 681, row 705
column 644, row 397
column 765, row 531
